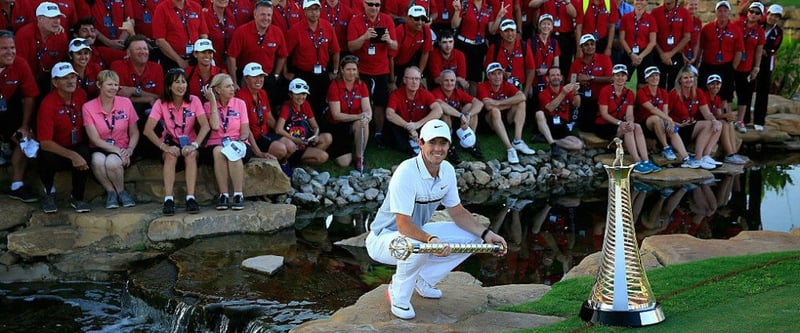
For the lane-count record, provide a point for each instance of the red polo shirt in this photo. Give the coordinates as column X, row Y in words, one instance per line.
column 67, row 7
column 220, row 32
column 720, row 41
column 284, row 17
column 714, row 103
column 456, row 62
column 410, row 42
column 563, row 109
column 17, row 77
column 516, row 58
column 150, row 80
column 40, row 55
column 457, row 99
column 637, row 31
column 242, row 10
column 600, row 65
column 696, row 26
column 643, row 95
column 309, row 48
column 672, row 25
column 752, row 38
column 505, row 91
column 56, row 119
column 339, row 16
column 562, row 22
column 109, row 15
column 495, row 8
column 179, row 27
column 544, row 55
column 195, row 81
column 617, row 105
column 688, row 109
column 444, row 9
column 597, row 17
column 349, row 100
column 411, row 110
column 15, row 17
column 89, row 80
column 357, row 6
column 143, row 15
column 257, row 111
column 474, row 21
column 377, row 63
column 247, row 46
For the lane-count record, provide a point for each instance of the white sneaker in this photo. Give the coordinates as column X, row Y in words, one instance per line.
column 735, row 159
column 759, row 128
column 426, row 290
column 706, row 165
column 522, row 147
column 511, row 153
column 690, row 163
column 399, row 310
column 710, row 160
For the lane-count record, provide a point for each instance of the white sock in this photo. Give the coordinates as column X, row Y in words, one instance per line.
column 238, row 193
column 168, row 198
column 16, row 185
column 189, row 196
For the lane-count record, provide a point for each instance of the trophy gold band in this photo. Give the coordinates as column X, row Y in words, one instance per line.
column 401, row 248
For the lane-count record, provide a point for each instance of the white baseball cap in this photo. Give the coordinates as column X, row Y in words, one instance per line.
column 650, row 71
column 712, row 78
column 434, row 129
column 48, row 9
column 587, row 37
column 545, row 17
column 775, row 9
column 253, row 69
column 466, row 137
column 77, row 44
column 62, row 69
column 722, row 3
column 508, row 24
column 234, row 151
column 620, row 68
column 309, row 3
column 203, row 44
column 418, row 11
column 758, row 5
column 299, row 86
column 495, row 66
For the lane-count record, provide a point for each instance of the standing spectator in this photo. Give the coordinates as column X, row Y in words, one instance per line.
column 692, row 49
column 200, row 74
column 416, row 42
column 242, row 11
column 110, row 123
column 177, row 24
column 502, row 100
column 563, row 12
column 289, row 12
column 410, row 107
column 370, row 37
column 349, row 113
column 546, row 52
column 43, row 43
column 516, row 58
column 13, row 16
column 615, row 119
column 185, row 124
column 728, row 139
column 774, row 37
column 63, row 143
column 221, row 23
column 746, row 73
column 296, row 122
column 18, row 90
column 338, row 15
column 597, row 18
column 457, row 104
column 674, row 26
column 263, row 139
column 312, row 44
column 143, row 15
column 637, row 34
column 69, row 8
column 447, row 57
column 696, row 124
column 471, row 21
column 593, row 72
column 558, row 102
column 80, row 54
column 442, row 15
column 722, row 50
column 112, row 14
column 101, row 54
column 227, row 117
column 652, row 114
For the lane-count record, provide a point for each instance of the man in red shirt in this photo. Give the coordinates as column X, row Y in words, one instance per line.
column 101, row 54
column 554, row 120
column 501, row 98
column 509, row 53
column 410, row 107
column 43, row 43
column 177, row 24
column 371, row 37
column 312, row 44
column 674, row 26
column 17, row 93
column 447, row 57
column 339, row 16
column 721, row 52
column 459, row 105
column 592, row 71
column 262, row 42
column 63, row 142
column 415, row 42
column 597, row 17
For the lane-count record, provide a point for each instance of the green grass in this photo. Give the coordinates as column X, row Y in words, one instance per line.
column 757, row 293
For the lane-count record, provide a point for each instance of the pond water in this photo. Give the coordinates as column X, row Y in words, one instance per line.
column 547, row 235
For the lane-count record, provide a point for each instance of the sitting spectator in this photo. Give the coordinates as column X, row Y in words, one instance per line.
column 110, row 122
column 446, row 56
column 652, row 114
column 554, row 120
column 80, row 55
column 456, row 103
column 499, row 95
column 227, row 116
column 728, row 138
column 63, row 144
column 349, row 113
column 200, row 74
column 408, row 109
column 615, row 119
column 689, row 103
column 185, row 124
column 296, row 122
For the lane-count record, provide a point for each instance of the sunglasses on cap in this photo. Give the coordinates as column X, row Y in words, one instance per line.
column 299, row 86
column 175, row 70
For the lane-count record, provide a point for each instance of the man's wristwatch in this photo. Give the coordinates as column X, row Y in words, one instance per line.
column 137, row 92
column 619, row 122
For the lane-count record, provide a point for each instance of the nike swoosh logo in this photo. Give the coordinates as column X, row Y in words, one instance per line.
column 401, row 308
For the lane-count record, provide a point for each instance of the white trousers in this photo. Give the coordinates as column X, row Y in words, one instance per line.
column 426, row 266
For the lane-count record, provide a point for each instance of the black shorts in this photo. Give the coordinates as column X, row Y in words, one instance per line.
column 378, row 86
column 606, row 131
column 686, row 133
column 264, row 141
column 344, row 143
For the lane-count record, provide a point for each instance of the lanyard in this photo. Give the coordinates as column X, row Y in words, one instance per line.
column 135, row 84
column 621, row 103
column 184, row 18
column 636, row 29
column 175, row 125
column 223, row 28
column 113, row 121
column 588, row 71
column 143, row 3
column 316, row 42
column 689, row 103
column 349, row 99
column 223, row 117
column 411, row 106
column 72, row 114
column 596, row 14
column 479, row 15
column 719, row 37
column 655, row 100
column 509, row 57
column 9, row 15
column 671, row 18
column 259, row 110
column 333, row 20
column 40, row 52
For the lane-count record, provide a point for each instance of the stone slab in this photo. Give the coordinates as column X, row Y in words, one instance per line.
column 263, row 264
column 678, row 249
column 257, row 216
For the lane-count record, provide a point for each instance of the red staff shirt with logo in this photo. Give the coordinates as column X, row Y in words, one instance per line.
column 600, row 65
column 349, row 99
column 687, row 109
column 457, row 99
column 247, row 46
column 562, row 22
column 544, row 54
column 474, row 21
column 725, row 41
column 179, row 27
column 519, row 60
column 257, row 110
column 143, row 11
column 752, row 37
column 89, row 80
column 378, row 63
column 696, row 26
column 40, row 54
column 563, row 109
column 672, row 24
column 195, row 82
column 56, row 119
column 506, row 90
column 109, row 15
column 17, row 77
column 597, row 17
column 637, row 30
column 409, row 42
column 284, row 17
column 150, row 80
column 456, row 62
column 643, row 95
column 617, row 105
column 220, row 32
column 339, row 16
column 307, row 53
column 411, row 109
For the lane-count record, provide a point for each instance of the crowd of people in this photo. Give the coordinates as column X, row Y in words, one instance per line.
column 304, row 81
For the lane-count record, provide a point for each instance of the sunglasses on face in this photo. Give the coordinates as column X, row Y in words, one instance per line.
column 373, row 4
column 421, row 18
column 755, row 12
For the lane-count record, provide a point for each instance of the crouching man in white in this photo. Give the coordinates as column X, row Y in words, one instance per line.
column 419, row 185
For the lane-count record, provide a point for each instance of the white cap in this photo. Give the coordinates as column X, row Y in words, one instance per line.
column 466, row 137
column 587, row 37
column 298, row 86
column 253, row 69
column 77, row 44
column 650, row 71
column 495, row 66
column 234, row 151
column 418, row 11
column 435, row 128
column 29, row 146
column 48, row 9
column 775, row 9
column 545, row 17
column 62, row 69
column 620, row 68
column 722, row 3
column 203, row 44
column 507, row 24
column 309, row 3
column 712, row 78
column 758, row 5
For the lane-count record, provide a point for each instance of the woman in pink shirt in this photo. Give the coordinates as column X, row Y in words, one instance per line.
column 110, row 123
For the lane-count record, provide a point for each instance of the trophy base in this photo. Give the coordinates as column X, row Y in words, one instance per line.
column 638, row 318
